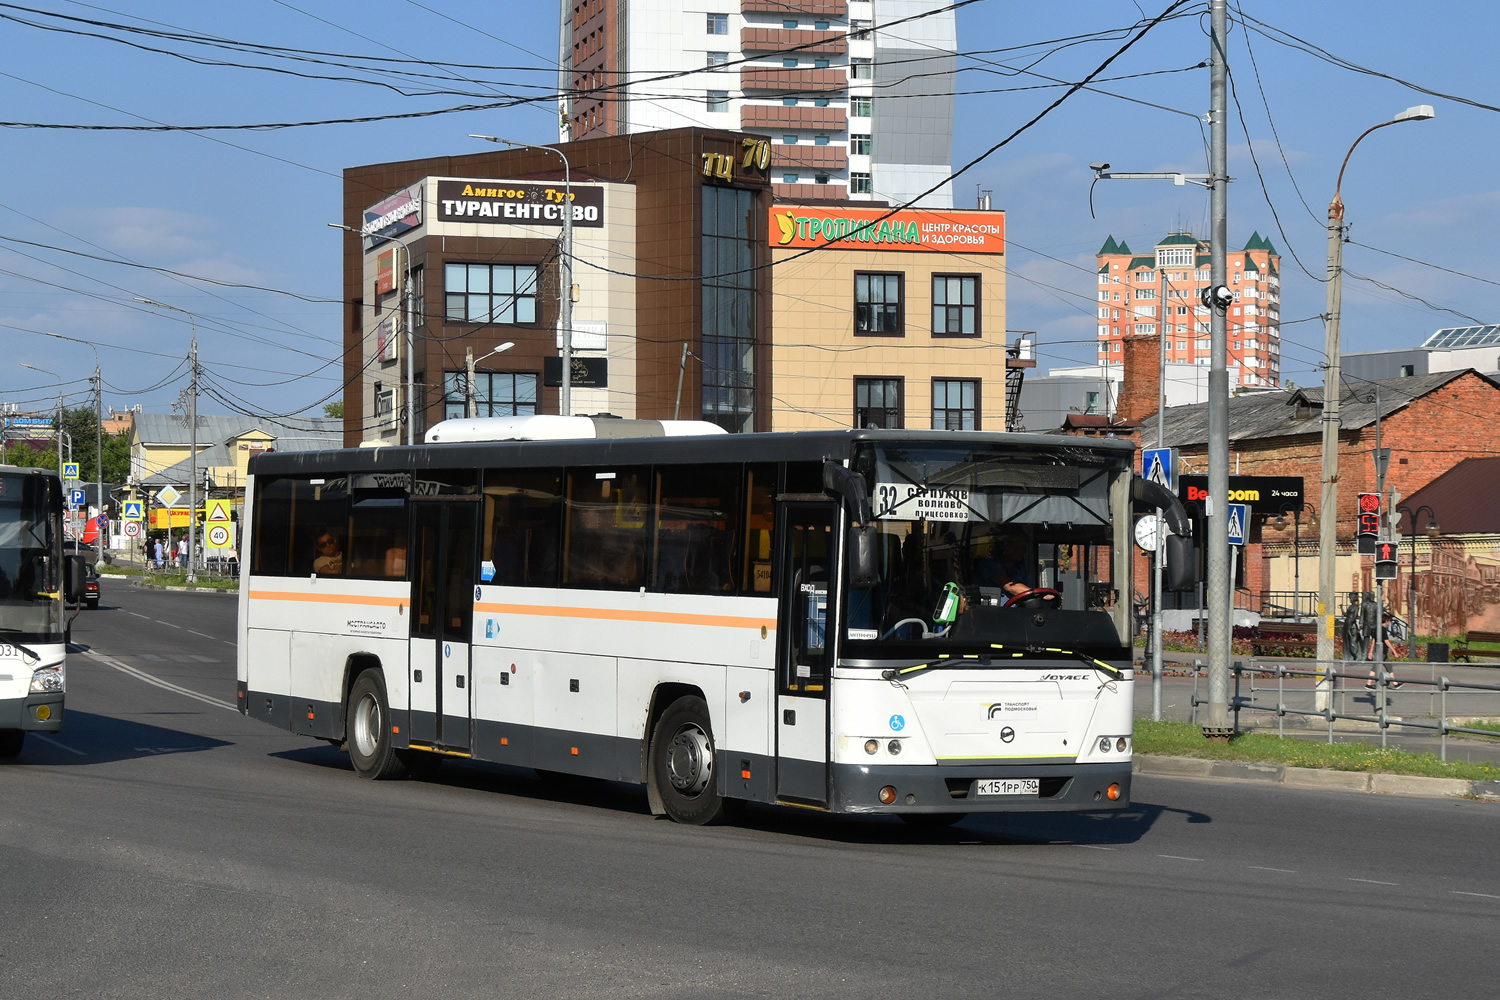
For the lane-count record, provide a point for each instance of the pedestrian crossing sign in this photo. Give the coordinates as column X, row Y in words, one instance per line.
column 1238, row 516
column 70, row 470
column 1157, row 465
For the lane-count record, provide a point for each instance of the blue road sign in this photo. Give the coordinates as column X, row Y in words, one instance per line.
column 133, row 511
column 1157, row 465
column 1239, row 514
column 70, row 470
column 75, row 497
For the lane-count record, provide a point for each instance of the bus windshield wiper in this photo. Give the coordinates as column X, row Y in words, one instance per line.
column 35, row 656
column 984, row 660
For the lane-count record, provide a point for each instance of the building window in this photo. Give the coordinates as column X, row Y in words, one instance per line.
column 490, row 293
column 789, row 23
column 789, row 62
column 718, row 100
column 861, row 69
column 717, row 59
column 859, row 145
column 955, row 304
column 955, row 404
column 861, row 107
column 1174, row 256
column 820, row 64
column 860, row 184
column 820, row 25
column 820, row 140
column 789, row 140
column 718, row 24
column 1407, row 371
column 496, row 394
column 729, row 318
column 877, row 403
column 1091, row 403
column 820, row 178
column 790, row 102
column 858, row 28
column 788, row 178
column 821, row 102
column 878, row 305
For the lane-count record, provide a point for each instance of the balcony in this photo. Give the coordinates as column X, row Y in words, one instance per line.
column 777, row 117
column 817, row 43
column 777, row 81
column 810, row 192
column 820, row 8
column 821, row 158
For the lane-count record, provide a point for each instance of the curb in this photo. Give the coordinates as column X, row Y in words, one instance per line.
column 187, row 590
column 1308, row 777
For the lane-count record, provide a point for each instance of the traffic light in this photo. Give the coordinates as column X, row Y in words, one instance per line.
column 1368, row 528
column 1385, row 560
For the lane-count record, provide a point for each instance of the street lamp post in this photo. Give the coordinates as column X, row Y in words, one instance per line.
column 1432, row 531
column 471, row 404
column 98, row 381
column 565, row 399
column 403, row 312
column 57, row 420
column 192, row 560
column 1328, row 529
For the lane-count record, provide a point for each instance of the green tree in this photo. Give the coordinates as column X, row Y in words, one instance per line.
column 334, row 409
column 80, row 425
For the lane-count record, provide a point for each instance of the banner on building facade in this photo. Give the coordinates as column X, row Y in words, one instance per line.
column 792, row 227
column 392, row 216
column 519, row 203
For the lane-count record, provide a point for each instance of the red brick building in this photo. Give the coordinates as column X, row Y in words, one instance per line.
column 1430, row 423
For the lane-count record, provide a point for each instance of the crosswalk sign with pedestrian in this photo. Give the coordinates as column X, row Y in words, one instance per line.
column 1157, row 465
column 1238, row 515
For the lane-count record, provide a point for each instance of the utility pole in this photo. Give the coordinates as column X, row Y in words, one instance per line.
column 1220, row 585
column 192, row 575
column 99, row 452
column 469, row 407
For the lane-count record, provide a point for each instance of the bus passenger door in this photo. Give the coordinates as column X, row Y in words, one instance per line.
column 442, row 615
column 807, row 536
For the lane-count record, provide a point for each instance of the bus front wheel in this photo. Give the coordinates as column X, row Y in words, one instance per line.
column 682, row 763
column 370, row 730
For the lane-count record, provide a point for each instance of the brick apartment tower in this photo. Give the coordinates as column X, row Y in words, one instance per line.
column 804, row 72
column 1159, row 295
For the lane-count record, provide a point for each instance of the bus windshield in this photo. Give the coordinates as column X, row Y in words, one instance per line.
column 979, row 547
column 30, row 557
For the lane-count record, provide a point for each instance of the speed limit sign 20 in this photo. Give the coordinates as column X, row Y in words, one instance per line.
column 132, row 529
column 218, row 536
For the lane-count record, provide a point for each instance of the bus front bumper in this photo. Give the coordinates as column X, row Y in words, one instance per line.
column 41, row 713
column 980, row 788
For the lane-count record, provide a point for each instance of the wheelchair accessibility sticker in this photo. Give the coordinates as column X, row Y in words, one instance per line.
column 898, row 723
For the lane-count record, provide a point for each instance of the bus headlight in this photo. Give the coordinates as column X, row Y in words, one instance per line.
column 48, row 680
column 1121, row 744
column 871, row 746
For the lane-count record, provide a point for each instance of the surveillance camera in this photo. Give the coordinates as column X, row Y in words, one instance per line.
column 1098, row 168
column 1218, row 297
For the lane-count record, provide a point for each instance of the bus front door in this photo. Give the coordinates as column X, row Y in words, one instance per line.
column 807, row 616
column 443, row 581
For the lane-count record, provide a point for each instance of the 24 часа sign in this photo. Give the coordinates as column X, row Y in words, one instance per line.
column 519, row 203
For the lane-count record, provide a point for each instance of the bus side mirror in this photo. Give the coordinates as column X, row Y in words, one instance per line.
column 864, row 568
column 1182, row 564
column 77, row 570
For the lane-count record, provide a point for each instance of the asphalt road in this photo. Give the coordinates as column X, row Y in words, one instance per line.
column 164, row 846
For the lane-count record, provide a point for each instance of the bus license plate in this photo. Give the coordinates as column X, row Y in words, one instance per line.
column 1008, row 786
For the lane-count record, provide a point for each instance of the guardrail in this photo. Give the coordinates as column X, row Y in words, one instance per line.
column 1330, row 684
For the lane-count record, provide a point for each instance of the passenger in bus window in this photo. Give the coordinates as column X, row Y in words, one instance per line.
column 330, row 558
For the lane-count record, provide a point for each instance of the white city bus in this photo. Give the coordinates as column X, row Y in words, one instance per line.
column 34, row 574
column 722, row 618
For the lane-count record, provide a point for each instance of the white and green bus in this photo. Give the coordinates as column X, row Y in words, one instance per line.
column 35, row 576
column 917, row 623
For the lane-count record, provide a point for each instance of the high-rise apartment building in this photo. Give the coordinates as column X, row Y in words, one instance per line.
column 857, row 95
column 1159, row 295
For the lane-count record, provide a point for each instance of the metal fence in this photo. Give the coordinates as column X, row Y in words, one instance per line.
column 1336, row 685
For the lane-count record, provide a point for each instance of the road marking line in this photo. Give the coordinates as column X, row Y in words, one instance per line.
column 191, row 632
column 1263, row 868
column 1176, row 857
column 164, row 685
column 1094, row 847
column 147, row 617
column 47, row 739
column 167, row 624
column 1373, row 881
column 1483, row 895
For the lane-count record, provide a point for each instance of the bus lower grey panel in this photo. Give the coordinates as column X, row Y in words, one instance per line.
column 732, row 766
column 613, row 758
column 323, row 719
column 20, row 713
column 802, row 780
column 937, row 789
column 273, row 708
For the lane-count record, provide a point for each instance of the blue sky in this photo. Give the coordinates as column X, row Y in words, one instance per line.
column 251, row 207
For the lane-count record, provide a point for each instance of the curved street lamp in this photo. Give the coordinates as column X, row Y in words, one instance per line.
column 1328, row 533
column 1412, row 516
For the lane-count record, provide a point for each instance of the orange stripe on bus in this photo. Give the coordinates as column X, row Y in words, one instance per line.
column 612, row 614
column 282, row 595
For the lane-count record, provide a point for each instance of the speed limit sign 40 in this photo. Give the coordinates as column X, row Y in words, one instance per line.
column 132, row 529
column 218, row 536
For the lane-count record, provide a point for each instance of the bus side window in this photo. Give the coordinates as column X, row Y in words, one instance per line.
column 608, row 514
column 760, row 516
column 273, row 524
column 377, row 529
column 522, row 522
column 697, row 521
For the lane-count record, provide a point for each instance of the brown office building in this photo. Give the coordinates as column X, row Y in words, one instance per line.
column 667, row 255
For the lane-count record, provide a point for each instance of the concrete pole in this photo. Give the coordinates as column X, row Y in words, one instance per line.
column 469, row 404
column 192, row 559
column 1220, row 585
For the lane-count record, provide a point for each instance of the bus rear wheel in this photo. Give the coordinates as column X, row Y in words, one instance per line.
column 370, row 730
column 682, row 763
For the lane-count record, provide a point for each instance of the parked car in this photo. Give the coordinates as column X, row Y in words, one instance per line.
column 72, row 545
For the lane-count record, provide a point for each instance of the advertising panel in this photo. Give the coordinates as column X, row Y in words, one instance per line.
column 524, row 203
column 1263, row 494
column 793, row 228
column 393, row 216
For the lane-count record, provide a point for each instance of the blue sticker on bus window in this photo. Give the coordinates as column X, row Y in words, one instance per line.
column 490, row 628
column 447, row 650
column 898, row 723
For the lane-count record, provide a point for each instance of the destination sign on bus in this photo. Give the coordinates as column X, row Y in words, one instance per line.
column 912, row 502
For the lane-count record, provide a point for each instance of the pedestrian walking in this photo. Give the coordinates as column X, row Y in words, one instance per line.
column 182, row 552
column 1390, row 652
column 158, row 553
